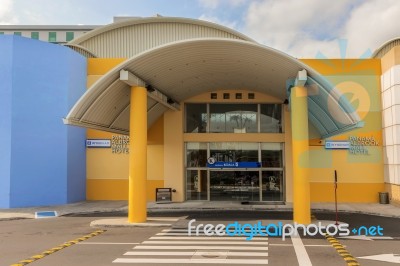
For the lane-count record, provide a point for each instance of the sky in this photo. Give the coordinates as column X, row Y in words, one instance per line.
column 301, row 28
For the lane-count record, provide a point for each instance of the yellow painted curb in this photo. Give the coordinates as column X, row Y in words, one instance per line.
column 55, row 249
column 348, row 258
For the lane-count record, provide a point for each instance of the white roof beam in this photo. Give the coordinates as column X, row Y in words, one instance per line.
column 301, row 78
column 131, row 79
column 153, row 93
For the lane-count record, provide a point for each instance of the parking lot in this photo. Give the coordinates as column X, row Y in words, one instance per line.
column 24, row 238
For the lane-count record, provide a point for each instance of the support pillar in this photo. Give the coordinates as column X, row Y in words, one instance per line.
column 300, row 149
column 137, row 208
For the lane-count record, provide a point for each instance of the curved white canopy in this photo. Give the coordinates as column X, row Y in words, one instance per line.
column 187, row 68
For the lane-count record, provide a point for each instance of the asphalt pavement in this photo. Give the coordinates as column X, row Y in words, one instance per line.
column 70, row 240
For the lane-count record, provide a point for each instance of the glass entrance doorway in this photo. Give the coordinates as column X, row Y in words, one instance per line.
column 264, row 183
column 234, row 186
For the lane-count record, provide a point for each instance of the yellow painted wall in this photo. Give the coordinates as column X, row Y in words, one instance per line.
column 344, row 67
column 288, row 156
column 117, row 189
column 394, row 193
column 360, row 177
column 100, row 66
column 155, row 151
column 174, row 154
column 391, row 59
column 346, row 192
column 107, row 172
column 258, row 97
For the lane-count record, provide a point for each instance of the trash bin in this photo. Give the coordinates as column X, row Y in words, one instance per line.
column 163, row 195
column 383, row 198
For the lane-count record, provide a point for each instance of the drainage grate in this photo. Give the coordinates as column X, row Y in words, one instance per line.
column 210, row 254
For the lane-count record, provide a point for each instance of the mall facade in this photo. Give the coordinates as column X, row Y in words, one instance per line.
column 199, row 108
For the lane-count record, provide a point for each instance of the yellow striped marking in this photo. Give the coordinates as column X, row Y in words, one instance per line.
column 348, row 258
column 55, row 249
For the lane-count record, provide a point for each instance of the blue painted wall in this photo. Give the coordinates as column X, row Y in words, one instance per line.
column 76, row 149
column 5, row 120
column 47, row 158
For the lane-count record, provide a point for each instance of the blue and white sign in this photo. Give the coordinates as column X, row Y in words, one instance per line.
column 329, row 144
column 98, row 143
column 45, row 214
column 233, row 164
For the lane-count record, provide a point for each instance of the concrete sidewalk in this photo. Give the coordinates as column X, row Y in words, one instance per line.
column 85, row 207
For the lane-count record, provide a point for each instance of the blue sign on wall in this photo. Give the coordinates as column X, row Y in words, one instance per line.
column 234, row 165
column 330, row 144
column 98, row 143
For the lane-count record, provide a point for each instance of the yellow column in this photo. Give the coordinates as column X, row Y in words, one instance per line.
column 137, row 210
column 300, row 149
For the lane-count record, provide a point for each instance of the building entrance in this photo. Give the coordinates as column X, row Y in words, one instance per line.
column 234, row 186
column 263, row 183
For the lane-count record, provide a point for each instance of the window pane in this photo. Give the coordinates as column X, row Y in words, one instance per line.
column 233, row 118
column 271, row 118
column 35, row 35
column 69, row 36
column 196, row 154
column 271, row 155
column 18, row 33
column 234, row 151
column 196, row 185
column 196, row 118
column 272, row 186
column 52, row 36
column 234, row 186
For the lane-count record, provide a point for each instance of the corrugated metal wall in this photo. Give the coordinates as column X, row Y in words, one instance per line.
column 387, row 48
column 130, row 40
column 81, row 50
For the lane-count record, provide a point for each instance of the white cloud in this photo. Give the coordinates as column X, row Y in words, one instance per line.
column 300, row 28
column 6, row 12
column 214, row 4
column 226, row 23
column 209, row 4
column 304, row 28
column 296, row 27
column 371, row 24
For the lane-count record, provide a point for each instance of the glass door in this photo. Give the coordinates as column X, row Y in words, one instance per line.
column 234, row 185
column 272, row 186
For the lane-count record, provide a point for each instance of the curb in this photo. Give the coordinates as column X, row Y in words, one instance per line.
column 177, row 209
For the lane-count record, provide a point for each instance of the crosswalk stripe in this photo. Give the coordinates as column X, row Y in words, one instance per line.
column 191, row 253
column 194, row 234
column 193, row 230
column 206, row 242
column 176, row 230
column 257, row 239
column 172, row 234
column 167, row 219
column 197, row 261
column 176, row 246
column 105, row 243
column 202, row 247
column 247, row 254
